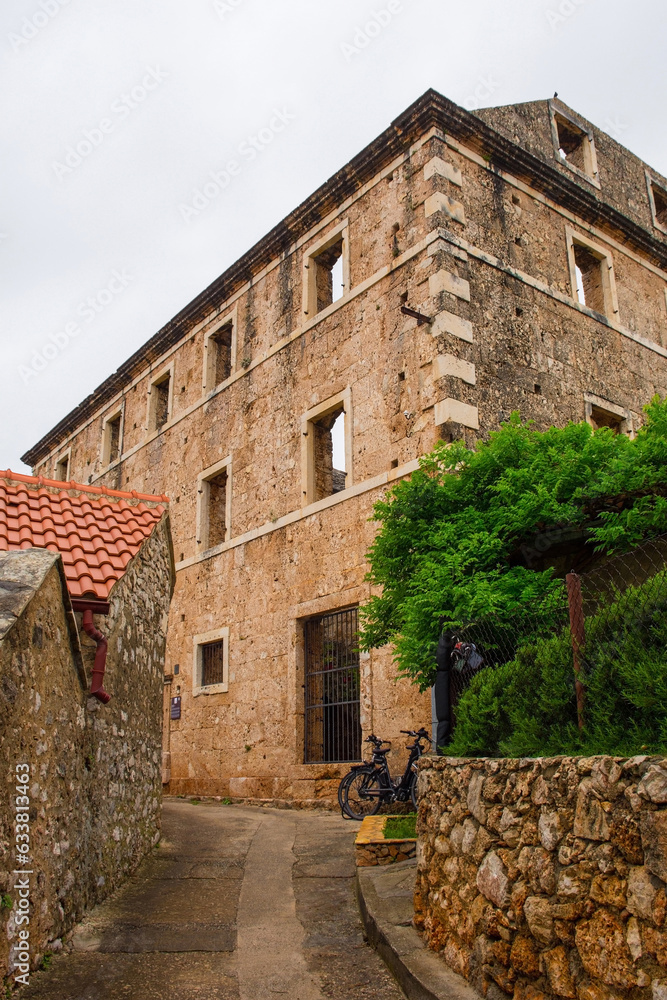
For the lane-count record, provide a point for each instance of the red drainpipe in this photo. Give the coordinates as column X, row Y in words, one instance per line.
column 88, row 607
column 96, row 689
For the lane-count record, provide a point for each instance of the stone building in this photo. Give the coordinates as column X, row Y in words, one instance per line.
column 462, row 266
column 80, row 715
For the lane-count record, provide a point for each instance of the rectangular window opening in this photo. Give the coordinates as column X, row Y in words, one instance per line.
column 217, row 509
column 332, row 683
column 329, row 468
column 660, row 203
column 212, row 663
column 588, row 268
column 329, row 280
column 160, row 402
column 112, row 440
column 62, row 469
column 572, row 144
column 219, row 356
column 600, row 417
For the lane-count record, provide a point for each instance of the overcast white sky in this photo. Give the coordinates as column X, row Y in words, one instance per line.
column 109, row 243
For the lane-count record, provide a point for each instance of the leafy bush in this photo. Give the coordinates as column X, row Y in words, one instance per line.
column 446, row 550
column 527, row 707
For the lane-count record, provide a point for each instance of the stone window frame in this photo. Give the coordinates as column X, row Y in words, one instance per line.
column 308, row 440
column 591, row 400
column 155, row 380
column 309, row 273
column 590, row 155
column 608, row 276
column 118, row 412
column 63, row 456
column 651, row 182
column 201, row 536
column 229, row 318
column 203, row 639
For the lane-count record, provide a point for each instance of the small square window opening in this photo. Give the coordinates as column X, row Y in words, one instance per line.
column 212, row 663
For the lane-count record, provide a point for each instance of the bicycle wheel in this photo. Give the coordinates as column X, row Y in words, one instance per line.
column 413, row 789
column 341, row 787
column 361, row 794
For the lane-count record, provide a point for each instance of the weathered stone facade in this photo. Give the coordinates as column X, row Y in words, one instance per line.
column 546, row 877
column 477, row 223
column 94, row 769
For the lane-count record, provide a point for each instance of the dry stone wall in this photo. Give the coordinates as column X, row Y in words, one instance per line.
column 95, row 775
column 546, row 877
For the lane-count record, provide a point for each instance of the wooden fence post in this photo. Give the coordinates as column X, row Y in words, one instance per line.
column 578, row 635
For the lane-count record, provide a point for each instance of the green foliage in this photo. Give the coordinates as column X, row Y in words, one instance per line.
column 449, row 536
column 400, row 827
column 6, row 901
column 527, row 707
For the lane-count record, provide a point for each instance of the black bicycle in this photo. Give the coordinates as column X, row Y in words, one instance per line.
column 369, row 785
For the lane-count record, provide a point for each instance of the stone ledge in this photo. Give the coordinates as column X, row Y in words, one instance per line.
column 373, row 848
column 385, row 898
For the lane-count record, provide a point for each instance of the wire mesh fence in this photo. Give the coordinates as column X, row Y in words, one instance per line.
column 602, row 638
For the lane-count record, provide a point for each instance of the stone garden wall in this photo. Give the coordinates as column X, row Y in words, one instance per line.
column 546, row 877
column 94, row 796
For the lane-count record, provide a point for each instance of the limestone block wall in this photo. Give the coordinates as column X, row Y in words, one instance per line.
column 94, row 770
column 546, row 877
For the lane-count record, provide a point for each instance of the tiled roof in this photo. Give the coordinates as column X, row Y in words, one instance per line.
column 96, row 530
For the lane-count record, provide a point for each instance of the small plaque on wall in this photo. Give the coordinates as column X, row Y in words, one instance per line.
column 176, row 707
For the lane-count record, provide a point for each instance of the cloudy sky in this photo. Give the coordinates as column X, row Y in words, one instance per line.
column 114, row 113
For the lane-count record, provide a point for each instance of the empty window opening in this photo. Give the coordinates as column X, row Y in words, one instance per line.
column 62, row 469
column 394, row 463
column 212, row 663
column 332, row 709
column 216, row 499
column 588, row 268
column 572, row 144
column 329, row 279
column 600, row 417
column 537, row 389
column 660, row 203
column 160, row 402
column 112, row 440
column 329, row 469
column 219, row 356
column 401, row 376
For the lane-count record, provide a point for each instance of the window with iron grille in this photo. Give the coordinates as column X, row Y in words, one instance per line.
column 212, row 663
column 332, row 718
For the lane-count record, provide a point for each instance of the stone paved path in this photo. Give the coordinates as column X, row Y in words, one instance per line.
column 236, row 903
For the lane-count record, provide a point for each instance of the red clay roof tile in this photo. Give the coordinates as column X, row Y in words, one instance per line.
column 94, row 528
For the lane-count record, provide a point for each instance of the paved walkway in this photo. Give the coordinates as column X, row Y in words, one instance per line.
column 236, row 903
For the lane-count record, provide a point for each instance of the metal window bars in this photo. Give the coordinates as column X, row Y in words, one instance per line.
column 332, row 711
column 212, row 663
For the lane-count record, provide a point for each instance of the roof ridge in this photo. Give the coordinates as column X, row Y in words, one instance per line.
column 20, row 477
